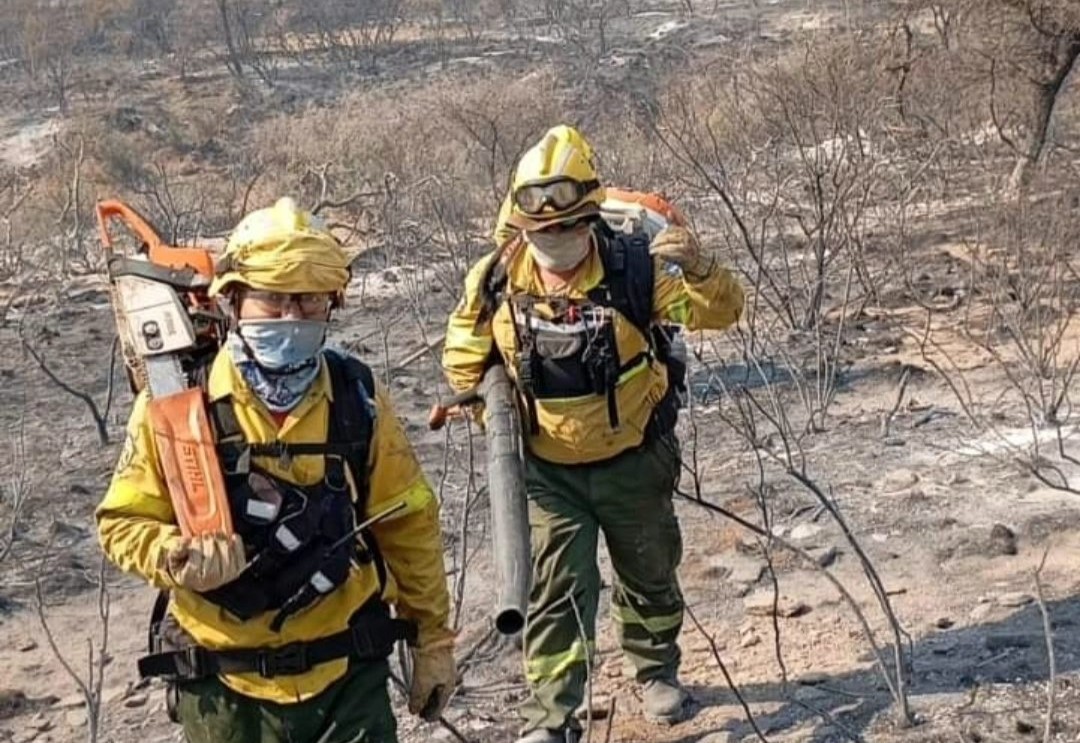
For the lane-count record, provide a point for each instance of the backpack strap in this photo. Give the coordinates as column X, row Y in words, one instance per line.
column 628, row 276
column 493, row 285
column 352, row 420
column 352, row 427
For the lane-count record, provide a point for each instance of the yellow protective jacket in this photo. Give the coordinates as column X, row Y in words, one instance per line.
column 136, row 523
column 578, row 430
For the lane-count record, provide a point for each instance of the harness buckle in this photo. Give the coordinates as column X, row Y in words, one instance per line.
column 192, row 663
column 284, row 456
column 288, row 660
column 334, row 476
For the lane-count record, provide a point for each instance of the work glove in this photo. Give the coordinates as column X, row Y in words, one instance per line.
column 434, row 676
column 679, row 246
column 205, row 562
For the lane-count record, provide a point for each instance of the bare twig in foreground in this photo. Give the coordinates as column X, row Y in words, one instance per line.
column 727, row 676
column 1048, row 632
column 92, row 685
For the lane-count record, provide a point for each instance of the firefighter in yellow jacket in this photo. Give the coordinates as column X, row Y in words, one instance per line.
column 280, row 631
column 576, row 314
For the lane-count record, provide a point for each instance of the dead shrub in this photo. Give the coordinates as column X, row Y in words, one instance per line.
column 434, row 168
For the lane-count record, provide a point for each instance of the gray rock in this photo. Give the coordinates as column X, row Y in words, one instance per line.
column 1001, row 640
column 943, row 645
column 135, row 701
column 113, row 694
column 12, row 702
column 1014, row 599
column 810, row 694
column 1002, row 540
column 898, row 481
column 719, row 737
column 760, row 604
column 737, row 567
column 749, row 640
column 825, row 556
column 803, row 532
column 71, row 701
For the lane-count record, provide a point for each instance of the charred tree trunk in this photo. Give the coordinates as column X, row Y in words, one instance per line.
column 1066, row 50
column 232, row 59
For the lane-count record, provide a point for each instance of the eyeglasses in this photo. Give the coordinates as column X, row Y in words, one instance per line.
column 275, row 303
column 561, row 194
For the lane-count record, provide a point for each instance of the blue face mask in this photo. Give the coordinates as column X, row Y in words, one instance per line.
column 280, row 344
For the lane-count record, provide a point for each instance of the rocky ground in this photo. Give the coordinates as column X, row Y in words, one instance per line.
column 957, row 536
column 957, row 531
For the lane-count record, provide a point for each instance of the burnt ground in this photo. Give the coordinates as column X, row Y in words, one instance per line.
column 955, row 528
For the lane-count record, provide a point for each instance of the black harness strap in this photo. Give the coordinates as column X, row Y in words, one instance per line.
column 370, row 639
column 628, row 277
column 157, row 616
column 627, row 287
column 352, row 423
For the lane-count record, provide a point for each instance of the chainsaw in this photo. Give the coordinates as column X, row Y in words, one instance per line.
column 170, row 330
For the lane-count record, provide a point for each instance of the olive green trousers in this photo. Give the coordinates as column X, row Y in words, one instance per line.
column 629, row 498
column 354, row 709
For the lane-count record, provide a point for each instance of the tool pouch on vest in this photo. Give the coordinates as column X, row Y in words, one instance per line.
column 290, row 532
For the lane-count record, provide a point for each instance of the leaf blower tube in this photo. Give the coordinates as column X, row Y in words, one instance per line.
column 506, row 492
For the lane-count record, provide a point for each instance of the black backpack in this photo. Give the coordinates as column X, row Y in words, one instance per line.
column 628, row 285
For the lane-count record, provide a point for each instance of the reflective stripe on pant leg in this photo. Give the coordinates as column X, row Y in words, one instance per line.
column 560, row 629
column 542, row 668
column 633, row 497
column 661, row 624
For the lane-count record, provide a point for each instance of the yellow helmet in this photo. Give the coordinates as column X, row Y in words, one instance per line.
column 283, row 249
column 555, row 181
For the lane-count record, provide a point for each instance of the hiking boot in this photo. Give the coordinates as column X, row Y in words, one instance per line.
column 546, row 735
column 665, row 701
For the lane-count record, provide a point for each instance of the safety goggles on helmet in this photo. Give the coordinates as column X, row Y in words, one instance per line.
column 561, row 194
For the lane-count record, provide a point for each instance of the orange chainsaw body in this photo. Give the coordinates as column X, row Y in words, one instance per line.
column 179, row 421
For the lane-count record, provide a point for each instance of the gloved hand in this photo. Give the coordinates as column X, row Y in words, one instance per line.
column 205, row 562
column 679, row 246
column 434, row 677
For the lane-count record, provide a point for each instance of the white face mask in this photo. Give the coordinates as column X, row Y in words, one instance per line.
column 559, row 251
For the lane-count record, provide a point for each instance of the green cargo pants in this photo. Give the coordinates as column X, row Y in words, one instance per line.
column 357, row 705
column 630, row 498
